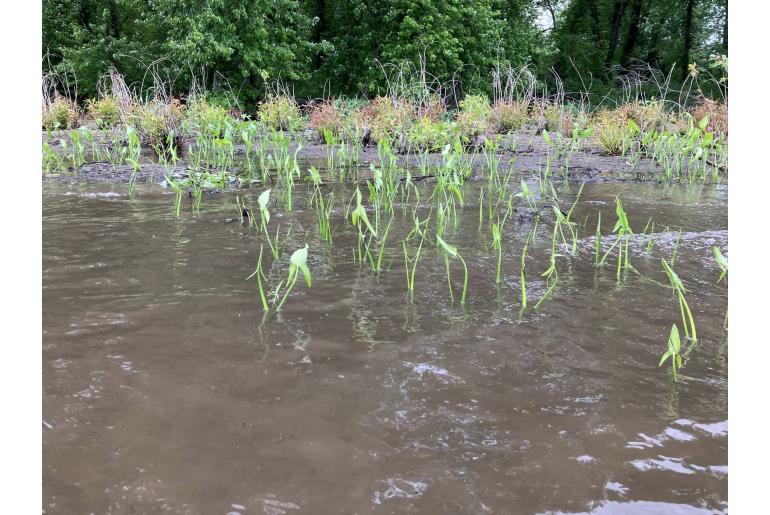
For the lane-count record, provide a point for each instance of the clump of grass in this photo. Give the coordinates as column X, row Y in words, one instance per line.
column 104, row 111
column 280, row 112
column 673, row 352
column 610, row 133
column 508, row 116
column 60, row 113
column 558, row 120
column 160, row 123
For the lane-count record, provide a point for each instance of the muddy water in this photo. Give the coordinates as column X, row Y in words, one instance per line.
column 165, row 392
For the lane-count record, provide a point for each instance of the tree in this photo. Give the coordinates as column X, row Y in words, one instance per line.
column 461, row 39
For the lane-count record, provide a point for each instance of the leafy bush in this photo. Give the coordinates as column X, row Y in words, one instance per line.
column 280, row 113
column 433, row 108
column 508, row 116
column 716, row 113
column 430, row 135
column 104, row 111
column 473, row 116
column 208, row 117
column 158, row 121
column 327, row 118
column 388, row 118
column 61, row 113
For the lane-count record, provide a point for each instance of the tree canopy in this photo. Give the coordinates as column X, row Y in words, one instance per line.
column 332, row 47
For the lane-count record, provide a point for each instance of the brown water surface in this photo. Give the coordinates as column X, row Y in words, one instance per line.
column 164, row 391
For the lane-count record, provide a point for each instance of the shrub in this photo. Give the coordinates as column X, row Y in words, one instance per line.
column 61, row 113
column 105, row 112
column 433, row 108
column 508, row 116
column 158, row 121
column 280, row 113
column 387, row 118
column 716, row 113
column 558, row 120
column 325, row 118
column 430, row 135
column 473, row 116
column 647, row 115
column 208, row 117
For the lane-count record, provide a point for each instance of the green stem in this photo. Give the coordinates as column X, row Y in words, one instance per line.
column 449, row 278
column 465, row 281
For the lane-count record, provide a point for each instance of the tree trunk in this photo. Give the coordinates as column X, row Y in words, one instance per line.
column 617, row 17
column 633, row 33
column 687, row 37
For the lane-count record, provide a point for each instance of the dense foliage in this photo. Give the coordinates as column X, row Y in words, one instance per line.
column 356, row 47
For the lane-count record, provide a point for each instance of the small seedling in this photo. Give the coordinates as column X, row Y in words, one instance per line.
column 297, row 263
column 673, row 352
column 452, row 251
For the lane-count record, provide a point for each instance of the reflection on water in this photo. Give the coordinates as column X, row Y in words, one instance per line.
column 163, row 390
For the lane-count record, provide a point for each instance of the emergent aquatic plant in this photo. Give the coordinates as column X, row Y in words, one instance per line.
column 673, row 352
column 274, row 244
column 623, row 231
column 679, row 291
column 452, row 251
column 721, row 262
column 297, row 263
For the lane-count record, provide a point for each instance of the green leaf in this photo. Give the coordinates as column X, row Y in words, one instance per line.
column 674, row 343
column 262, row 200
column 449, row 249
column 298, row 260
